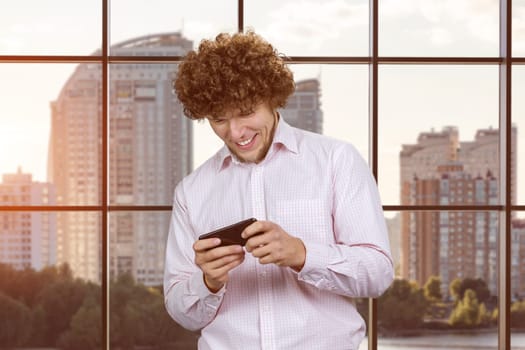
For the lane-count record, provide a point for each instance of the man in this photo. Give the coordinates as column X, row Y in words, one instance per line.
column 320, row 238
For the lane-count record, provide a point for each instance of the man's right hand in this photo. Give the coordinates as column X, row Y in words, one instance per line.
column 215, row 262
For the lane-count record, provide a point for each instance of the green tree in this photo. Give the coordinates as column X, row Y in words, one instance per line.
column 159, row 327
column 39, row 328
column 432, row 289
column 126, row 299
column 402, row 306
column 517, row 314
column 85, row 332
column 60, row 301
column 469, row 312
column 15, row 322
column 458, row 288
column 455, row 289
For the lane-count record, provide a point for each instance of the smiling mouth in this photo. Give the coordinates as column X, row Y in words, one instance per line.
column 245, row 142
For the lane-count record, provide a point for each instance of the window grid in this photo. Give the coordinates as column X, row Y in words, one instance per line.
column 505, row 63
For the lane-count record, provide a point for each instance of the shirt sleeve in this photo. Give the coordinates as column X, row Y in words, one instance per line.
column 359, row 263
column 187, row 299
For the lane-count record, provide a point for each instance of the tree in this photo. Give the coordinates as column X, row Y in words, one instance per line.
column 86, row 329
column 458, row 288
column 468, row 312
column 455, row 289
column 125, row 302
column 517, row 314
column 402, row 306
column 60, row 301
column 159, row 327
column 432, row 289
column 15, row 322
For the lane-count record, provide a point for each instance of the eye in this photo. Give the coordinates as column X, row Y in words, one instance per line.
column 246, row 114
column 218, row 120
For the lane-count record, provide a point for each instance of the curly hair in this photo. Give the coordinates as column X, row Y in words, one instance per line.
column 232, row 72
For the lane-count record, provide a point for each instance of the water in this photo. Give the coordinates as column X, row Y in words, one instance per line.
column 482, row 341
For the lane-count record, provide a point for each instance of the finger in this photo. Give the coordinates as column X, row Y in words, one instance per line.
column 256, row 241
column 206, row 256
column 262, row 251
column 221, row 274
column 255, row 229
column 224, row 261
column 206, row 244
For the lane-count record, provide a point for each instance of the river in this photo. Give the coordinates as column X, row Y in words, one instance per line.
column 481, row 341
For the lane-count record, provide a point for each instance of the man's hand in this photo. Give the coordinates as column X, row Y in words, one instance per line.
column 269, row 243
column 215, row 262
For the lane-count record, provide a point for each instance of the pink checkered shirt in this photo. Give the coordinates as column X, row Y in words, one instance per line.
column 316, row 188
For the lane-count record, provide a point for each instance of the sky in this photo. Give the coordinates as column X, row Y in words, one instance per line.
column 412, row 99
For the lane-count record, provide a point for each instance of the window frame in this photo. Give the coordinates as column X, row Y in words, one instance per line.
column 504, row 61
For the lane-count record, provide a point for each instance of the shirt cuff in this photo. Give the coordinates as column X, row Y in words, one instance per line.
column 318, row 257
column 199, row 287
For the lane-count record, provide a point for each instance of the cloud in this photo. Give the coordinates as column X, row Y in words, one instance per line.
column 311, row 23
column 518, row 23
column 447, row 21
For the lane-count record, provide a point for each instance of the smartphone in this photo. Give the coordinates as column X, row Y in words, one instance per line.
column 230, row 234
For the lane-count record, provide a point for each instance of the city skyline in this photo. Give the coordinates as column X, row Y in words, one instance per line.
column 412, row 98
column 150, row 151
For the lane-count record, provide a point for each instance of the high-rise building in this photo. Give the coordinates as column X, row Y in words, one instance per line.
column 394, row 236
column 440, row 170
column 27, row 239
column 518, row 258
column 453, row 244
column 303, row 109
column 150, row 150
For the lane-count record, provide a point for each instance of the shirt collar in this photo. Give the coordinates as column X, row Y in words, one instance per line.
column 284, row 136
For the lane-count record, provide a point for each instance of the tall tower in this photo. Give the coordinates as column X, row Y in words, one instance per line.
column 419, row 161
column 150, row 150
column 27, row 239
column 303, row 109
column 440, row 170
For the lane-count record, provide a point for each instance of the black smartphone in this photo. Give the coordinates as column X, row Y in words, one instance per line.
column 230, row 234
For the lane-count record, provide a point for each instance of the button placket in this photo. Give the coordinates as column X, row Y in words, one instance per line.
column 264, row 282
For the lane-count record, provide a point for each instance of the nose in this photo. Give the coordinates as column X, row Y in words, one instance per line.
column 236, row 129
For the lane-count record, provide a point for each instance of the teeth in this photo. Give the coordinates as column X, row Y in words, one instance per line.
column 244, row 143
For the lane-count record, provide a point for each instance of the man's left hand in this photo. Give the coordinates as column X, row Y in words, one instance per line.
column 268, row 242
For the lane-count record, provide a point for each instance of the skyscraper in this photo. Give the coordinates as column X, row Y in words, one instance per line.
column 518, row 259
column 303, row 109
column 27, row 239
column 150, row 150
column 440, row 170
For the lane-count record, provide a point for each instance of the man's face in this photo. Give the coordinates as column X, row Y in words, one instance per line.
column 248, row 134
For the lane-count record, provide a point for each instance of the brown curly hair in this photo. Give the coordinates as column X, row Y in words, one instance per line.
column 232, row 72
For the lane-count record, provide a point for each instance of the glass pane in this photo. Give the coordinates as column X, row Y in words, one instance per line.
column 51, row 127
column 318, row 105
column 33, row 27
column 448, row 268
column 517, row 311
column 518, row 121
column 143, row 22
column 50, row 279
column 438, row 28
column 518, row 28
column 342, row 100
column 311, row 28
column 137, row 313
column 150, row 138
column 138, row 243
column 393, row 224
column 438, row 135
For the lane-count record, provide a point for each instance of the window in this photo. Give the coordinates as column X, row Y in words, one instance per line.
column 93, row 141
